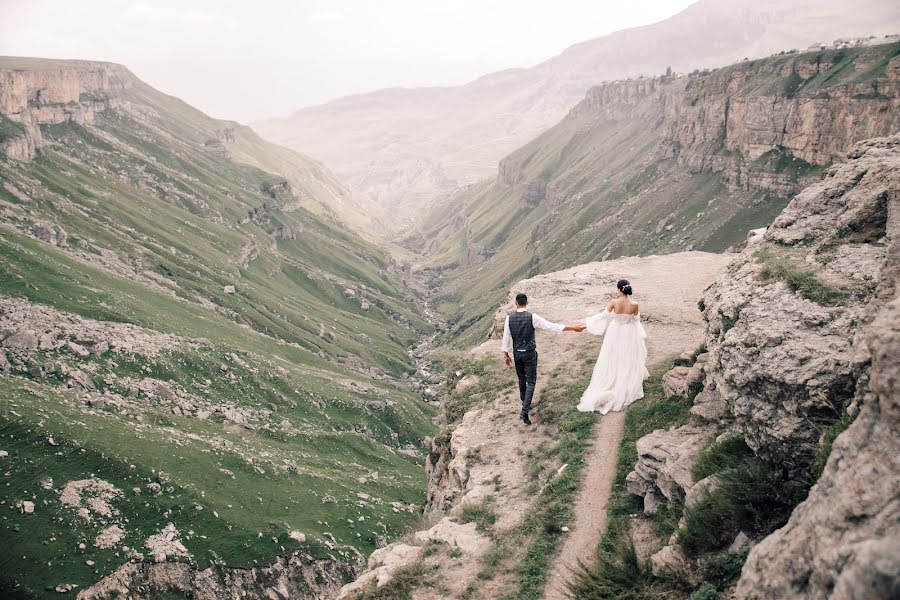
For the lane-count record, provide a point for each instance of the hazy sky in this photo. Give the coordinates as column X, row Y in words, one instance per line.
column 254, row 59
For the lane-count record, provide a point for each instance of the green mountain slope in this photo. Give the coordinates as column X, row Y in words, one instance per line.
column 174, row 316
column 655, row 166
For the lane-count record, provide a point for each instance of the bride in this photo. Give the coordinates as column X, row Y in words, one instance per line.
column 618, row 378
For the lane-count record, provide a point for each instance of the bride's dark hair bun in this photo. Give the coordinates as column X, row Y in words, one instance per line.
column 624, row 287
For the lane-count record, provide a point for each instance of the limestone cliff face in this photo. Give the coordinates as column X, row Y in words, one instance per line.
column 802, row 327
column 842, row 542
column 812, row 107
column 34, row 94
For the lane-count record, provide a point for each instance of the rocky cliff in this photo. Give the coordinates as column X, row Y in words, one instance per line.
column 802, row 337
column 811, row 106
column 35, row 93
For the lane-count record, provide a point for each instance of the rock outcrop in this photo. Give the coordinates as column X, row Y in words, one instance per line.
column 44, row 94
column 731, row 120
column 803, row 326
column 844, row 540
column 295, row 576
column 786, row 323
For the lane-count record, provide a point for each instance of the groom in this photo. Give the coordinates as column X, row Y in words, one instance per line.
column 518, row 338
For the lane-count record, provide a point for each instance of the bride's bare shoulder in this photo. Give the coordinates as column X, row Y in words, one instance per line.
column 635, row 308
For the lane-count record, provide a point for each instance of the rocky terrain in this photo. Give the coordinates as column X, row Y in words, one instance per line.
column 801, row 338
column 408, row 148
column 657, row 165
column 488, row 461
column 201, row 367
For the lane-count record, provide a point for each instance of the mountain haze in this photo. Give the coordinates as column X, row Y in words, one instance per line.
column 406, row 148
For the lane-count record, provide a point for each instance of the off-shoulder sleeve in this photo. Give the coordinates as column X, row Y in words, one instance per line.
column 642, row 333
column 597, row 324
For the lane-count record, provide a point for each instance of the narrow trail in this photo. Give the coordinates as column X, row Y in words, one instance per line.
column 589, row 514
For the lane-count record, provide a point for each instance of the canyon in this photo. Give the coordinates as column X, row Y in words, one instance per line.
column 218, row 379
column 656, row 165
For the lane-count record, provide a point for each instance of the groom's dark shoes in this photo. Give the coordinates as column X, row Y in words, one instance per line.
column 525, row 418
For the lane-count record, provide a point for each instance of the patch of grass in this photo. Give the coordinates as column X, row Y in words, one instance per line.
column 706, row 591
column 482, row 514
column 800, row 280
column 9, row 128
column 824, row 450
column 753, row 497
column 719, row 456
column 493, row 559
column 723, row 569
column 619, row 573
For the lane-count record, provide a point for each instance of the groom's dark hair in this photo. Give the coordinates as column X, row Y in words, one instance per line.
column 521, row 299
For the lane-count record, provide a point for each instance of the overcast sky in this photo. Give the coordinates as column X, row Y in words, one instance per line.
column 247, row 60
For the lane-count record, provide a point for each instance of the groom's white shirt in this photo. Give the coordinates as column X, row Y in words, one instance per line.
column 538, row 321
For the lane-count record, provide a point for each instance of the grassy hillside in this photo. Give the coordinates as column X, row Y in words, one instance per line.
column 276, row 406
column 617, row 178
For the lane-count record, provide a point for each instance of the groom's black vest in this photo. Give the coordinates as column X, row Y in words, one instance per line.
column 521, row 328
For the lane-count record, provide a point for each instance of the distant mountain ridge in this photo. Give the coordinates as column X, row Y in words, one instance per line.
column 407, row 148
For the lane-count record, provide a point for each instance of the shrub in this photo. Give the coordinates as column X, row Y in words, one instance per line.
column 798, row 279
column 723, row 569
column 752, row 497
column 824, row 451
column 482, row 515
column 619, row 573
column 706, row 591
column 725, row 454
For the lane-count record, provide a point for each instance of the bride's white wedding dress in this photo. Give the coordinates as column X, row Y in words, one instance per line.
column 621, row 368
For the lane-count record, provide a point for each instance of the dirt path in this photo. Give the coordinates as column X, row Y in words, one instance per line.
column 668, row 293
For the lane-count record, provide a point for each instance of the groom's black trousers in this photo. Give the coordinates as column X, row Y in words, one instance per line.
column 526, row 370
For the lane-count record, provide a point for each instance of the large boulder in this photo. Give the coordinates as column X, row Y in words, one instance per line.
column 663, row 469
column 844, row 540
column 784, row 321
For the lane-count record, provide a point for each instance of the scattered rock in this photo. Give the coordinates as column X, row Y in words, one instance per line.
column 348, row 293
column 91, row 497
column 466, row 382
column 465, row 537
column 165, row 544
column 667, row 561
column 109, row 537
column 665, row 459
column 229, row 289
column 328, row 499
column 51, row 233
column 383, row 564
column 678, row 381
column 297, row 536
column 25, row 338
column 77, row 349
column 741, row 542
column 27, row 507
